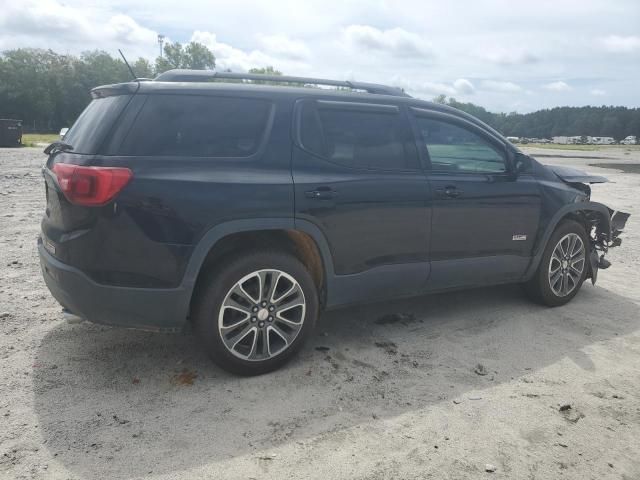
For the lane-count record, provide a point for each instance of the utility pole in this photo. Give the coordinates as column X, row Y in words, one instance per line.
column 160, row 42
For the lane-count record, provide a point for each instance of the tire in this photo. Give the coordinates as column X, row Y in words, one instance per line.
column 544, row 287
column 240, row 333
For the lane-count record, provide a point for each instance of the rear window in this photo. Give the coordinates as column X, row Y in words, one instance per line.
column 198, row 126
column 91, row 127
column 363, row 139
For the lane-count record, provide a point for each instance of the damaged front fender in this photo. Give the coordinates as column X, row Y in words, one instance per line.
column 603, row 225
column 603, row 236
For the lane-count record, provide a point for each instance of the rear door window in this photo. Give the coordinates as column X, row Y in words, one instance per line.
column 198, row 126
column 453, row 148
column 374, row 137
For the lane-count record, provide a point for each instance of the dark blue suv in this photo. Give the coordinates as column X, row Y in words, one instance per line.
column 246, row 204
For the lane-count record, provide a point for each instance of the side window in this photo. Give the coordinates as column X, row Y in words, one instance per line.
column 455, row 149
column 197, row 126
column 375, row 139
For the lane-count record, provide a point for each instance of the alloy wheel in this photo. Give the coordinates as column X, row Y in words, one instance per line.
column 567, row 264
column 261, row 315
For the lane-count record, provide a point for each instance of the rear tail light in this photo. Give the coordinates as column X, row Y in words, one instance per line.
column 91, row 186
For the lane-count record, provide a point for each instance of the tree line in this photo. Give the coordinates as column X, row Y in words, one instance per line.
column 48, row 90
column 603, row 121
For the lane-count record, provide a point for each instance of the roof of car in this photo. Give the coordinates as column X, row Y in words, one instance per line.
column 233, row 83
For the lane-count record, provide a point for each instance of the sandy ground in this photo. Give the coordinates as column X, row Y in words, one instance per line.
column 389, row 396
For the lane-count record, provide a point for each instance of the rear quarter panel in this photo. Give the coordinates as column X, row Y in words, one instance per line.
column 146, row 237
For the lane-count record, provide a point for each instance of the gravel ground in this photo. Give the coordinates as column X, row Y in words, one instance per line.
column 392, row 390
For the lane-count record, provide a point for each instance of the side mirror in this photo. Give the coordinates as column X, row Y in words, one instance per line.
column 63, row 132
column 521, row 163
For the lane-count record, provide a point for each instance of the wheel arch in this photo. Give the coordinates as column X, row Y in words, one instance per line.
column 588, row 214
column 301, row 238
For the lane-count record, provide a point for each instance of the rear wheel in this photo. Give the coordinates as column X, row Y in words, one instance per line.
column 255, row 312
column 563, row 267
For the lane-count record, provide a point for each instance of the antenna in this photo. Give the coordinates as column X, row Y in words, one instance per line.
column 127, row 64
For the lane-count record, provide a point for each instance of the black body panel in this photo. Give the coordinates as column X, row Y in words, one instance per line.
column 381, row 232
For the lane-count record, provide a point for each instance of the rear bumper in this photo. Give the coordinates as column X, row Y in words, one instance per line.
column 144, row 308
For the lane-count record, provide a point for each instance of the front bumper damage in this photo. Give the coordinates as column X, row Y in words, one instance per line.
column 603, row 236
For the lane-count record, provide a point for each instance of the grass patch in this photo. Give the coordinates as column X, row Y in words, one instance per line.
column 30, row 139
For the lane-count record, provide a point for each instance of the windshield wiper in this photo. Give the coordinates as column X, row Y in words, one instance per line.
column 57, row 147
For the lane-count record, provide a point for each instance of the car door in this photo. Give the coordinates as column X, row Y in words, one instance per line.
column 357, row 177
column 485, row 217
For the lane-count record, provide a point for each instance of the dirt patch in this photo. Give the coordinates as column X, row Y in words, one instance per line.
column 185, row 377
column 84, row 401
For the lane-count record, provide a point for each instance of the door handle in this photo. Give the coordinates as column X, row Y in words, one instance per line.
column 449, row 191
column 321, row 193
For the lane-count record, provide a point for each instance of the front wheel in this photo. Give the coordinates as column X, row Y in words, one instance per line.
column 563, row 267
column 255, row 312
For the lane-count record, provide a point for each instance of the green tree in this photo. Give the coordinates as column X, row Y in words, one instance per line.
column 193, row 56
column 268, row 71
column 265, row 71
column 48, row 91
column 442, row 99
column 199, row 57
column 142, row 68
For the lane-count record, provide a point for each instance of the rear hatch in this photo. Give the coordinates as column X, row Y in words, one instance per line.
column 77, row 185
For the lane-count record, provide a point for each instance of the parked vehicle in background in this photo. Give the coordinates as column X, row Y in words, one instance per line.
column 601, row 140
column 10, row 132
column 629, row 140
column 244, row 210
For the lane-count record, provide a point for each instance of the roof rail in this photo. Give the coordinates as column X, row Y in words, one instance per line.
column 181, row 75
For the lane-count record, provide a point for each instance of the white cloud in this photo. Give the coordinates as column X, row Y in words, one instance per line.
column 432, row 88
column 50, row 24
column 509, row 56
column 285, row 53
column 500, row 86
column 396, row 41
column 620, row 44
column 33, row 15
column 283, row 46
column 228, row 57
column 558, row 86
column 122, row 28
column 597, row 92
column 464, row 86
column 517, row 49
column 428, row 89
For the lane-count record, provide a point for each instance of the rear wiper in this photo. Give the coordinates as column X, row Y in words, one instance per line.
column 57, row 147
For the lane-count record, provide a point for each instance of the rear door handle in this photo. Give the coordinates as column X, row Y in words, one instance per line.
column 321, row 193
column 449, row 191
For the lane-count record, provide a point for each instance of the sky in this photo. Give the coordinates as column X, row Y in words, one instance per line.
column 504, row 55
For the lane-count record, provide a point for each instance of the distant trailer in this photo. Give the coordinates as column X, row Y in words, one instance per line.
column 603, row 140
column 10, row 132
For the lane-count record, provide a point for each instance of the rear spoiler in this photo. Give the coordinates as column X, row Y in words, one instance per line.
column 115, row 89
